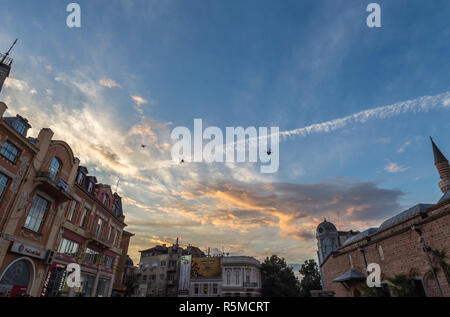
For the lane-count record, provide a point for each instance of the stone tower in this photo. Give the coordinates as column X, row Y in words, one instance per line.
column 5, row 65
column 443, row 168
column 327, row 240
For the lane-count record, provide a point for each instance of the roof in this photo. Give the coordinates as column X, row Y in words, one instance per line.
column 445, row 197
column 360, row 236
column 327, row 226
column 438, row 156
column 417, row 209
column 350, row 275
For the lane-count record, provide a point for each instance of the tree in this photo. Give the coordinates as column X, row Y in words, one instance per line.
column 403, row 286
column 131, row 284
column 278, row 280
column 311, row 278
column 441, row 258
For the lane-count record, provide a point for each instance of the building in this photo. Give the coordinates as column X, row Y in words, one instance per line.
column 206, row 277
column 241, row 277
column 125, row 266
column 158, row 271
column 403, row 244
column 329, row 239
column 52, row 214
column 92, row 234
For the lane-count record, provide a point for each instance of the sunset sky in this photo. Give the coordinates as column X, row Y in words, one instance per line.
column 138, row 68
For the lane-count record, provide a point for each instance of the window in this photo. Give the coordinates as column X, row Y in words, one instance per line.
column 83, row 218
column 215, row 289
column 9, row 151
column 19, row 126
column 68, row 247
column 108, row 262
column 80, row 178
column 162, row 276
column 99, row 227
column 380, row 251
column 238, row 277
column 196, row 289
column 73, row 207
column 91, row 256
column 144, row 278
column 247, row 277
column 36, row 214
column 228, row 277
column 205, row 289
column 90, row 186
column 3, row 183
column 109, row 234
column 163, row 263
column 54, row 168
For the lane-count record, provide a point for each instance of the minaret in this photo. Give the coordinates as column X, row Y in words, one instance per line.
column 443, row 168
column 5, row 65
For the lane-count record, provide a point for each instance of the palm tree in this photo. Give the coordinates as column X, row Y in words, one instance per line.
column 403, row 286
column 441, row 259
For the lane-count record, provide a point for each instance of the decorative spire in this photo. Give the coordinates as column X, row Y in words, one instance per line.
column 5, row 56
column 438, row 156
column 443, row 168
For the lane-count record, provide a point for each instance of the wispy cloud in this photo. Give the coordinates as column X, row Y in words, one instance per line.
column 395, row 168
column 403, row 147
column 108, row 83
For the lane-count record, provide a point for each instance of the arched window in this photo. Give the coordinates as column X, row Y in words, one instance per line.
column 238, row 276
column 228, row 277
column 20, row 273
column 54, row 168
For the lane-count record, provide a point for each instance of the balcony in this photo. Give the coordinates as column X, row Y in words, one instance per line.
column 251, row 285
column 57, row 189
column 5, row 60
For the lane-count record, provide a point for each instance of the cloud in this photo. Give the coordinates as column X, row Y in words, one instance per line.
column 139, row 101
column 403, row 147
column 108, row 83
column 395, row 168
column 16, row 84
column 295, row 209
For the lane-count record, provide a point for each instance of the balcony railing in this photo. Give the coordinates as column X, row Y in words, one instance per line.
column 250, row 285
column 58, row 188
column 5, row 60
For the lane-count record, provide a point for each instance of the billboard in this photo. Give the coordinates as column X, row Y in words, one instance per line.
column 185, row 275
column 206, row 267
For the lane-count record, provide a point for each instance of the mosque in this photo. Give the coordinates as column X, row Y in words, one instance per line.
column 404, row 244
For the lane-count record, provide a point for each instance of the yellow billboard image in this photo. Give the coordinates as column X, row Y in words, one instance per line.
column 206, row 267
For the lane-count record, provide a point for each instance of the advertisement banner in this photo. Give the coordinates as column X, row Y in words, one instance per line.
column 185, row 275
column 206, row 267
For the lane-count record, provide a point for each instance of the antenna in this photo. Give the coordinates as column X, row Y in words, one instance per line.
column 9, row 51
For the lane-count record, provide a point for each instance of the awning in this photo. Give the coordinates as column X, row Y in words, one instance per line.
column 349, row 275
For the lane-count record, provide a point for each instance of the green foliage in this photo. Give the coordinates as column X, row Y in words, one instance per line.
column 441, row 258
column 278, row 280
column 311, row 278
column 131, row 284
column 402, row 286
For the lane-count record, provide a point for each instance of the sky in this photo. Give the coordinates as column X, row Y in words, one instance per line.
column 355, row 106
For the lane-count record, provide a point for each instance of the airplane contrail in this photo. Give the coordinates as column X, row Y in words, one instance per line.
column 421, row 104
